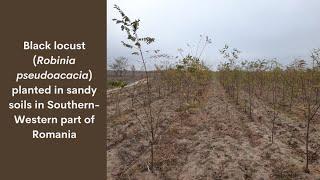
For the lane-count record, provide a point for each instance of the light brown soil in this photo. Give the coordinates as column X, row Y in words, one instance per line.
column 215, row 140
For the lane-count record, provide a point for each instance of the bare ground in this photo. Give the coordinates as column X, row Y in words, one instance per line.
column 215, row 140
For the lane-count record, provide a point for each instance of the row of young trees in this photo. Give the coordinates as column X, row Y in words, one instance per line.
column 282, row 87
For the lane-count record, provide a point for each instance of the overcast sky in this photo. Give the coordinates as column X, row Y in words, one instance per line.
column 283, row 29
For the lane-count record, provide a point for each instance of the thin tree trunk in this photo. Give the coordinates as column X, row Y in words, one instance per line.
column 250, row 94
column 291, row 98
column 274, row 115
column 307, row 141
column 149, row 107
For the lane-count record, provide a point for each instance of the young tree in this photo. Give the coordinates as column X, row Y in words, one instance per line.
column 311, row 106
column 135, row 43
column 234, row 70
column 133, row 71
column 276, row 72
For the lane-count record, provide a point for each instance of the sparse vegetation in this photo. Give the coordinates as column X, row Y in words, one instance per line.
column 303, row 88
column 119, row 65
column 250, row 119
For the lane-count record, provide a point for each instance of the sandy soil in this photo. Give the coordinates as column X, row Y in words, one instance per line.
column 214, row 140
